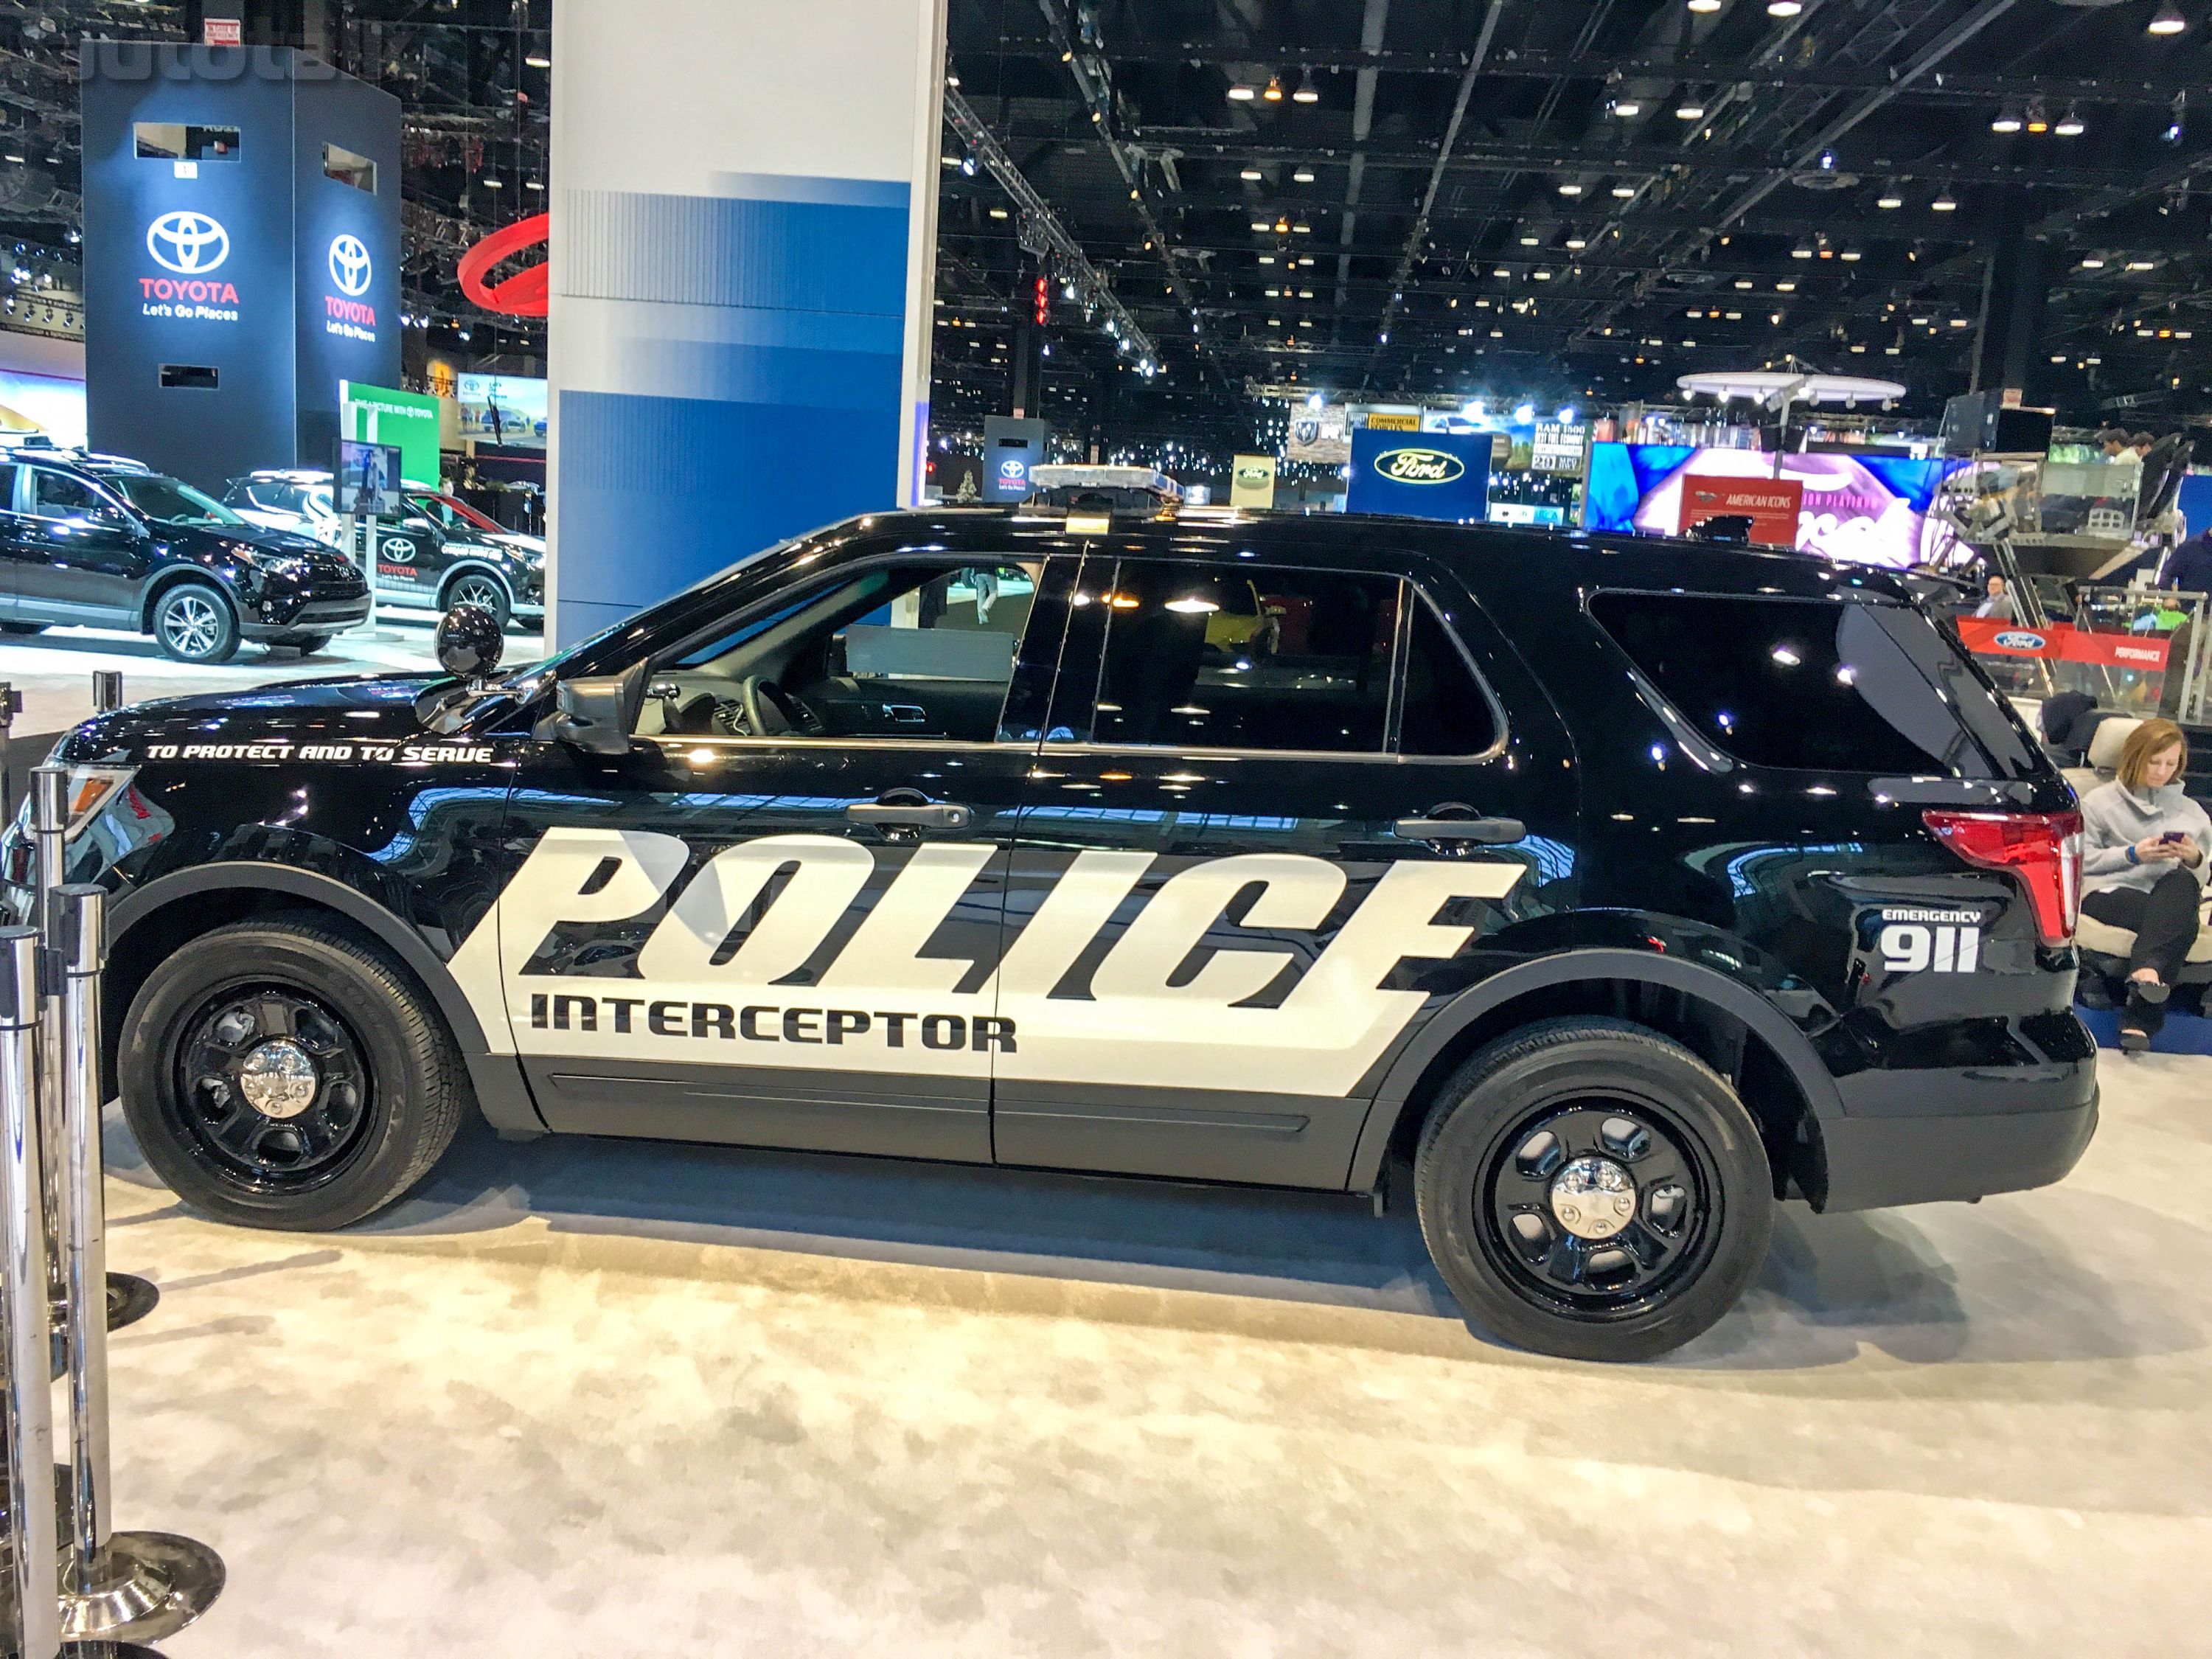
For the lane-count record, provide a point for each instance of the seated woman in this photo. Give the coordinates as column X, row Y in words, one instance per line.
column 2143, row 866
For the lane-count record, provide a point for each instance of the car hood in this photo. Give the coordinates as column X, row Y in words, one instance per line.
column 246, row 539
column 369, row 710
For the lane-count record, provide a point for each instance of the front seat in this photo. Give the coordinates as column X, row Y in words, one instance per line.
column 2110, row 735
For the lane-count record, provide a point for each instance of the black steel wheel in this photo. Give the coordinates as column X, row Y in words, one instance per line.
column 1592, row 1189
column 271, row 1085
column 480, row 587
column 282, row 1072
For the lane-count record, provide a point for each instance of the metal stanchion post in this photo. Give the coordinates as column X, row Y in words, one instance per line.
column 12, row 704
column 126, row 1585
column 106, row 691
column 128, row 1298
column 33, row 1625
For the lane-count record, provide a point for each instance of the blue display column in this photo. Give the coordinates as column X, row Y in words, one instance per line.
column 241, row 241
column 744, row 231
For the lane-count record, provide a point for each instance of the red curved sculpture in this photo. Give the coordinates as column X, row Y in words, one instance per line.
column 524, row 293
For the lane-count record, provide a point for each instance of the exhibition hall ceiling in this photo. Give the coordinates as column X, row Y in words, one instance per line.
column 1539, row 198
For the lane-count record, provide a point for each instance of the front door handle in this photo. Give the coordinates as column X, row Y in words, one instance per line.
column 909, row 809
column 1490, row 832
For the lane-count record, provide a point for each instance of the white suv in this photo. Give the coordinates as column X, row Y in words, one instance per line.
column 299, row 500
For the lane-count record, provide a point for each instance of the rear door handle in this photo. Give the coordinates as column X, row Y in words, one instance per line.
column 1491, row 832
column 911, row 814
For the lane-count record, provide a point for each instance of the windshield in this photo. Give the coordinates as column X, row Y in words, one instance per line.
column 170, row 501
column 445, row 510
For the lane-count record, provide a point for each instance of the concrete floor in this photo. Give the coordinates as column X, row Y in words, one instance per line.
column 590, row 1398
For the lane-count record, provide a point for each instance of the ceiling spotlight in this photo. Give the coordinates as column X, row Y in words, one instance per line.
column 1577, row 241
column 1241, row 94
column 495, row 183
column 1704, row 5
column 1784, row 8
column 1623, row 192
column 1943, row 204
column 2167, row 20
column 1273, row 95
column 2070, row 124
column 1743, row 281
column 1307, row 92
column 1802, row 251
column 2139, row 264
column 1302, row 176
column 2005, row 120
column 1260, row 224
column 1570, row 190
column 1889, row 197
column 2039, row 118
column 2093, row 261
column 1529, row 239
column 1251, row 175
column 1626, row 107
column 539, row 60
column 1851, row 256
column 1785, row 287
column 1690, row 109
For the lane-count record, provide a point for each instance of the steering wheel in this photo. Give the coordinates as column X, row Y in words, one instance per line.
column 772, row 711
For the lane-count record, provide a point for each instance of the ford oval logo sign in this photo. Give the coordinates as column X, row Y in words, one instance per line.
column 1419, row 466
column 2019, row 638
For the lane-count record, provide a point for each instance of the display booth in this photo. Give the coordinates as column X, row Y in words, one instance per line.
column 241, row 241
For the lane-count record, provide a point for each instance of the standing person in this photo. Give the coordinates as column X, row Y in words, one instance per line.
column 1999, row 604
column 2189, row 566
column 2142, row 868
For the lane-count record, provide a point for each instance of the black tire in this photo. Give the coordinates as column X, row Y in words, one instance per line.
column 193, row 622
column 388, row 1085
column 23, row 627
column 479, row 587
column 308, row 645
column 1497, row 1218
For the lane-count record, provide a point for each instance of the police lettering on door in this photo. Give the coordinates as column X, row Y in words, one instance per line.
column 718, row 978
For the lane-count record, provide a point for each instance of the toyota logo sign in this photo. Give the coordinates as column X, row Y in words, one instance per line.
column 1013, row 469
column 188, row 243
column 349, row 266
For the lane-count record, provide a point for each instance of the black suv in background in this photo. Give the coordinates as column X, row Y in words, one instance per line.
column 439, row 555
column 98, row 541
column 1624, row 889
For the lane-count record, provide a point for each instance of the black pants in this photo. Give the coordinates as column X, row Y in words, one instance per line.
column 2163, row 920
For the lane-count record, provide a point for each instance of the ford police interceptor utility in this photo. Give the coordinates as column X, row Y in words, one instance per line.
column 1625, row 888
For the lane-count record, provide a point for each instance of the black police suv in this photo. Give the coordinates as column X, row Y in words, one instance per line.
column 102, row 541
column 1625, row 888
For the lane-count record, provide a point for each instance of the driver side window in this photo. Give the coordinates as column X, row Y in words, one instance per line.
column 921, row 651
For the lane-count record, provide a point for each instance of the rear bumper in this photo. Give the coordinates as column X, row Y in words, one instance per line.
column 2004, row 1130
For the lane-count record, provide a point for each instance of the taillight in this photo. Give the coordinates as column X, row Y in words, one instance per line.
column 2043, row 848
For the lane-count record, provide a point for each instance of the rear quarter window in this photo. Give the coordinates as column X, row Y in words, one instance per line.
column 1803, row 685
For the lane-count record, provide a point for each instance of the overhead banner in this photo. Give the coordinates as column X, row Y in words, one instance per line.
column 1252, row 482
column 1428, row 475
column 1321, row 437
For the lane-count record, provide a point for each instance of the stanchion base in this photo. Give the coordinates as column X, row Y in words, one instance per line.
column 147, row 1584
column 106, row 1650
column 129, row 1299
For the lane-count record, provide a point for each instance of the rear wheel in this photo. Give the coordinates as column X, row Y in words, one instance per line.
column 480, row 588
column 1591, row 1189
column 282, row 1074
column 193, row 623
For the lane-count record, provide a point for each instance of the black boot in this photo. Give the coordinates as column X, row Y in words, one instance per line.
column 2145, row 1017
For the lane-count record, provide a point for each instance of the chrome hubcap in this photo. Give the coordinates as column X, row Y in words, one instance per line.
column 193, row 625
column 278, row 1078
column 1594, row 1197
column 477, row 591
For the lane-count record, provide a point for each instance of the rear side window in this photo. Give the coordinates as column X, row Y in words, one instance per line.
column 1254, row 658
column 1806, row 684
column 1447, row 712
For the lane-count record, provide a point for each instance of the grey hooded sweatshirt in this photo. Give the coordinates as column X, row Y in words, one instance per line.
column 2115, row 817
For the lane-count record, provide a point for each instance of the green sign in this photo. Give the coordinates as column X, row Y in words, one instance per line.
column 378, row 414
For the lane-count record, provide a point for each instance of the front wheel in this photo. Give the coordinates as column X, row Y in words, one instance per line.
column 1591, row 1189
column 308, row 645
column 193, row 623
column 478, row 588
column 282, row 1074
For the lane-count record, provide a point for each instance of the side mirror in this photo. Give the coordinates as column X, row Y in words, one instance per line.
column 469, row 642
column 590, row 714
